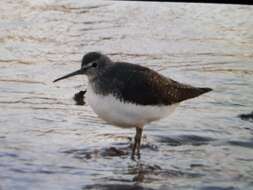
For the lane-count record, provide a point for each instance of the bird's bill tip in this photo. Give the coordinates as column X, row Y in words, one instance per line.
column 56, row 80
column 78, row 72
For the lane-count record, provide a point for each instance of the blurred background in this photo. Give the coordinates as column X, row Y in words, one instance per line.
column 48, row 142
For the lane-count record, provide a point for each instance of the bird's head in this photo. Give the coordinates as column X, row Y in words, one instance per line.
column 92, row 64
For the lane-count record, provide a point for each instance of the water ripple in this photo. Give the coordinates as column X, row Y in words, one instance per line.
column 48, row 142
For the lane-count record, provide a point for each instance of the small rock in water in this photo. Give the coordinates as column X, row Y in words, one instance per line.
column 79, row 97
column 218, row 188
column 247, row 116
column 112, row 151
column 116, row 187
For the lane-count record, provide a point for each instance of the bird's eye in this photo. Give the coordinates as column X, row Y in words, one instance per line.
column 94, row 64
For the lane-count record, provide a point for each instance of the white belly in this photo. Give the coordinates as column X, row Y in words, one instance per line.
column 123, row 114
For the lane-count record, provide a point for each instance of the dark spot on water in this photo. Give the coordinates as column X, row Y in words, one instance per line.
column 113, row 151
column 8, row 154
column 46, row 132
column 178, row 173
column 104, row 152
column 218, row 188
column 247, row 117
column 113, row 179
column 18, row 170
column 31, row 171
column 245, row 144
column 81, row 153
column 72, row 151
column 115, row 187
column 68, row 167
column 196, row 165
column 185, row 140
column 245, row 159
column 43, row 171
column 79, row 97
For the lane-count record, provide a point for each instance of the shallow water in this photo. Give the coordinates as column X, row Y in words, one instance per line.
column 48, row 142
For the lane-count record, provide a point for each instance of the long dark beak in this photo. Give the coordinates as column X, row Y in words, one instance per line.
column 78, row 72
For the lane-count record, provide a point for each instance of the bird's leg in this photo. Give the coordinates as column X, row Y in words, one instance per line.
column 137, row 142
column 139, row 133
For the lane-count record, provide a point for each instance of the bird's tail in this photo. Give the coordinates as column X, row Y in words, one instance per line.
column 204, row 90
column 199, row 91
column 192, row 92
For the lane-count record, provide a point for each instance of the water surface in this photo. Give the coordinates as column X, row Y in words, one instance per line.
column 48, row 142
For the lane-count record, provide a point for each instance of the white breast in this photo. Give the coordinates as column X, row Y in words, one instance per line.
column 123, row 114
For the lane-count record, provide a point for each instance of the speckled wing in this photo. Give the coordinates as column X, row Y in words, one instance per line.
column 143, row 86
